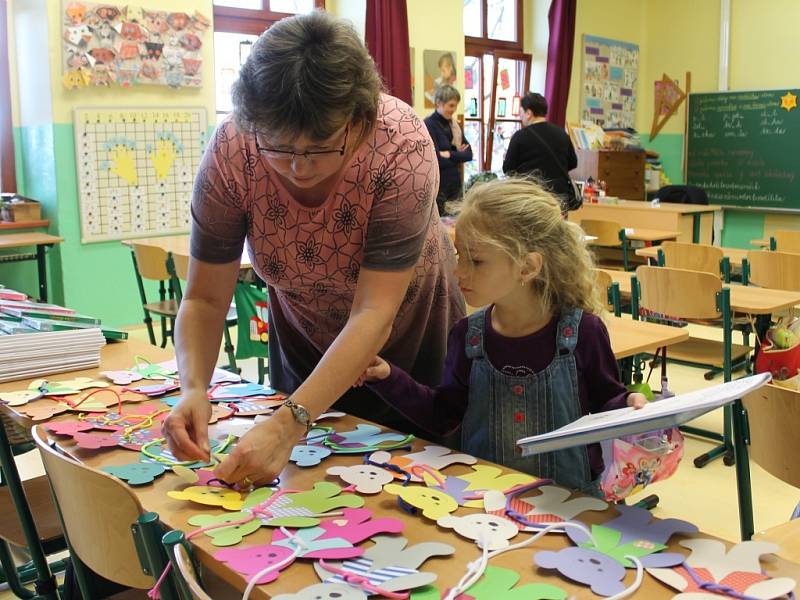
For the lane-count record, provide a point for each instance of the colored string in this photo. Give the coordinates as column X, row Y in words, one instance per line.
column 390, row 467
column 92, row 393
column 299, row 544
column 357, row 580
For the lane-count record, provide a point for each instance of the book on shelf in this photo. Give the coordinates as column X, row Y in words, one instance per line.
column 660, row 414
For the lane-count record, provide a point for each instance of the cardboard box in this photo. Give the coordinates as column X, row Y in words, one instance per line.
column 19, row 209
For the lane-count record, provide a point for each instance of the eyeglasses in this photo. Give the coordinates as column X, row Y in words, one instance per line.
column 276, row 154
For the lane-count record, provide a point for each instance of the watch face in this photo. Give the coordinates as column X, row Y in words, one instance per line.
column 301, row 414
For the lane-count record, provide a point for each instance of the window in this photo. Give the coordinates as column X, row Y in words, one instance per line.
column 494, row 23
column 237, row 24
column 8, row 179
column 496, row 76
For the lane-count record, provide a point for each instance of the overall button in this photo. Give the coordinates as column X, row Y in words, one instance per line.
column 519, row 417
column 473, row 341
column 518, row 390
column 567, row 331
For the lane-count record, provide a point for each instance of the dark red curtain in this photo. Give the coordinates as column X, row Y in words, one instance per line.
column 387, row 42
column 559, row 58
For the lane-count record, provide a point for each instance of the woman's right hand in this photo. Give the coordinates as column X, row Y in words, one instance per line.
column 186, row 428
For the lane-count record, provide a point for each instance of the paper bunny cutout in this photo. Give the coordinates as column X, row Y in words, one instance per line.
column 301, row 509
column 498, row 583
column 390, row 565
column 249, row 561
column 367, row 478
column 432, row 502
column 210, row 496
column 488, row 477
column 308, row 456
column 137, row 473
column 551, row 506
column 435, row 457
column 738, row 568
column 226, row 536
column 602, row 566
column 489, row 530
column 123, row 377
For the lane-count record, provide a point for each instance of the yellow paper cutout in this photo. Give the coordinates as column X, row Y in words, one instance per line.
column 487, row 477
column 163, row 157
column 211, row 496
column 123, row 163
column 789, row 101
column 433, row 503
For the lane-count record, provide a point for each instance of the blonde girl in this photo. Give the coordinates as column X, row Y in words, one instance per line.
column 536, row 356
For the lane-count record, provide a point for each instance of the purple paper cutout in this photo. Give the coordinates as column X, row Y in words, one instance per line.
column 602, row 573
column 593, row 50
column 601, row 59
column 636, row 523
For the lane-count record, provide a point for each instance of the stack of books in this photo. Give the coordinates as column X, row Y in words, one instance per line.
column 39, row 339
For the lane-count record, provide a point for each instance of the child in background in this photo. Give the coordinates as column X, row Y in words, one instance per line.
column 537, row 357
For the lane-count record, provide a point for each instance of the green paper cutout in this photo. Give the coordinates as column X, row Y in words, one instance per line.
column 498, row 583
column 226, row 536
column 257, row 497
column 608, row 543
column 427, row 592
column 137, row 473
column 324, row 497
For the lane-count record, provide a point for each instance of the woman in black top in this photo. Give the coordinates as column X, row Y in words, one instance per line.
column 451, row 147
column 527, row 152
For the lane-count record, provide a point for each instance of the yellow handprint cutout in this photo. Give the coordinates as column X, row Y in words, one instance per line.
column 123, row 163
column 163, row 157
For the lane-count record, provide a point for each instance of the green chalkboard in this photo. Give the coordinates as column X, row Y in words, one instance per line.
column 743, row 148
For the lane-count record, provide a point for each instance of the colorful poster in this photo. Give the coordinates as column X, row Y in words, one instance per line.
column 608, row 82
column 136, row 170
column 126, row 45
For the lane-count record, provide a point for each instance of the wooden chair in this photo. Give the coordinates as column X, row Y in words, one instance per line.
column 663, row 293
column 695, row 257
column 98, row 513
column 774, row 270
column 609, row 234
column 149, row 262
column 785, row 241
column 188, row 581
column 774, row 418
column 609, row 292
column 177, row 267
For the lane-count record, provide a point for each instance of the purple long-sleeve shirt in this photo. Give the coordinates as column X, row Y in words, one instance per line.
column 440, row 410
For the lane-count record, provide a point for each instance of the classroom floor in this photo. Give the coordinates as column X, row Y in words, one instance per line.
column 706, row 497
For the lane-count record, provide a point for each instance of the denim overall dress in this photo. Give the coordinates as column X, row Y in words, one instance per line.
column 504, row 408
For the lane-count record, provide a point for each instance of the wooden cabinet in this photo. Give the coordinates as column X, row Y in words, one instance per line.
column 623, row 172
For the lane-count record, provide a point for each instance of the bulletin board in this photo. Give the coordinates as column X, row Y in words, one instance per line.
column 136, row 170
column 608, row 82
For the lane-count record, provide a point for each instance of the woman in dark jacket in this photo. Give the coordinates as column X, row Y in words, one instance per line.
column 451, row 147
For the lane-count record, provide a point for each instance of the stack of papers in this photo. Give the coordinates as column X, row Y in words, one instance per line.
column 661, row 414
column 25, row 355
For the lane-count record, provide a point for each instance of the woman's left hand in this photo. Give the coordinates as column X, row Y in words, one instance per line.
column 637, row 400
column 262, row 452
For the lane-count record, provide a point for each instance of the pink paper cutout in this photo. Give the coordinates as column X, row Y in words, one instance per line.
column 249, row 561
column 69, row 428
column 91, row 441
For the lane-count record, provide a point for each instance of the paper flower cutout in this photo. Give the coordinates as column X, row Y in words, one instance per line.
column 788, row 101
column 137, row 473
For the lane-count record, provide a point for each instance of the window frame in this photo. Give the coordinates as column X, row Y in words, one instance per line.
column 488, row 43
column 250, row 20
column 8, row 174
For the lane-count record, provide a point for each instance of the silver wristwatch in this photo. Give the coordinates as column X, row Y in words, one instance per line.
column 299, row 412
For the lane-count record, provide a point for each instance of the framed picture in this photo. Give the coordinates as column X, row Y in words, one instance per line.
column 501, row 107
column 473, row 107
column 440, row 68
column 515, row 106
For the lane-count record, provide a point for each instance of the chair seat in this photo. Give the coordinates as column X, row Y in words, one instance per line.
column 44, row 513
column 705, row 352
column 167, row 308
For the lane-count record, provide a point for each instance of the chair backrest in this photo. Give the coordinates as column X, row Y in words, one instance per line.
column 97, row 511
column 679, row 292
column 604, row 282
column 606, row 232
column 181, row 262
column 774, row 418
column 186, row 568
column 787, row 241
column 151, row 262
column 775, row 270
column 693, row 257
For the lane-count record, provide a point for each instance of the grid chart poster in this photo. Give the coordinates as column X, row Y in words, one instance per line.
column 136, row 169
column 608, row 82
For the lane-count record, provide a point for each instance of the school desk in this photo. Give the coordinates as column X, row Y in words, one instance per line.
column 9, row 225
column 179, row 244
column 21, row 240
column 629, row 337
column 734, row 255
column 175, row 513
column 694, row 223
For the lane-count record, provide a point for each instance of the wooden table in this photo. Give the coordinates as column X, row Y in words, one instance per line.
column 693, row 222
column 113, row 356
column 629, row 337
column 787, row 536
column 760, row 243
column 180, row 244
column 21, row 240
column 175, row 513
column 734, row 255
column 8, row 225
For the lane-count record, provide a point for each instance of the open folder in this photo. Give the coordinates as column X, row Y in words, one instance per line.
column 628, row 421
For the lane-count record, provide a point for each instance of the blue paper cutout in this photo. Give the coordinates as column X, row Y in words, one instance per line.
column 137, row 473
